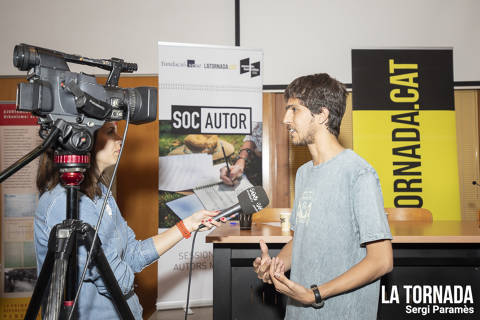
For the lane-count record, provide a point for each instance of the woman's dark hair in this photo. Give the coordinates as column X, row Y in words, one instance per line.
column 320, row 90
column 48, row 175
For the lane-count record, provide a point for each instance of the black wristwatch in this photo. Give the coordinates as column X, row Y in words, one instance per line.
column 319, row 302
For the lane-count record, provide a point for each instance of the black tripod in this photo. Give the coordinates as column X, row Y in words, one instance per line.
column 59, row 270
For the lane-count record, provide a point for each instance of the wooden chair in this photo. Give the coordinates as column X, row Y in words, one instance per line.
column 409, row 214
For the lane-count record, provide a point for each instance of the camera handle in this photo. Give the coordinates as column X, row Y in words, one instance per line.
column 118, row 66
column 26, row 56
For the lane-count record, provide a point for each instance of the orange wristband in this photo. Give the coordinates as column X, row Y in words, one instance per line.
column 186, row 234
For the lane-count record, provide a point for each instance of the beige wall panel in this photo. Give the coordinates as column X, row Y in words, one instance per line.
column 466, row 114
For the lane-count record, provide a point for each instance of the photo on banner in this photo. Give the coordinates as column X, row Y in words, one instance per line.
column 404, row 125
column 18, row 201
column 210, row 122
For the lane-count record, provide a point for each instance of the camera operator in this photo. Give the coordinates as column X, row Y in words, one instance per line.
column 125, row 254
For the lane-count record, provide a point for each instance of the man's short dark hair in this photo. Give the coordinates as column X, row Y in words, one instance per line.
column 320, row 90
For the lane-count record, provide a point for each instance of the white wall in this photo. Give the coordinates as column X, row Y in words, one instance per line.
column 298, row 37
column 112, row 28
column 307, row 36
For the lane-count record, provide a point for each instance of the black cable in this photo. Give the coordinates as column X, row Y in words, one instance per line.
column 99, row 221
column 190, row 273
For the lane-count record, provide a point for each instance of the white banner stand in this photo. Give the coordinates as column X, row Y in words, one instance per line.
column 173, row 269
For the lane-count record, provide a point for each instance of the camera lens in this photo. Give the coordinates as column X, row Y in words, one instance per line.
column 25, row 57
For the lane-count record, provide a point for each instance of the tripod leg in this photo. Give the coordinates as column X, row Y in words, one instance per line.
column 40, row 287
column 101, row 262
column 72, row 276
column 57, row 288
column 60, row 245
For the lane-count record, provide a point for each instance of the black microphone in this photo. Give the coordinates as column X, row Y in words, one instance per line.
column 250, row 201
column 475, row 183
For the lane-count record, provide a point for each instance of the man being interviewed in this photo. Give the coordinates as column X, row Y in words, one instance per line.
column 341, row 244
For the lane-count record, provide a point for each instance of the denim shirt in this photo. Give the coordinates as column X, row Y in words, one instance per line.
column 125, row 254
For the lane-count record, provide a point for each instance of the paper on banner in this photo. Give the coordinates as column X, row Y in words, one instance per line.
column 221, row 196
column 184, row 172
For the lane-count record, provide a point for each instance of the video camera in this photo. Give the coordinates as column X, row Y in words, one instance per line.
column 74, row 102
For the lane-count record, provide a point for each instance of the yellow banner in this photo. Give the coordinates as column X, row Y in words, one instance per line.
column 416, row 163
column 404, row 126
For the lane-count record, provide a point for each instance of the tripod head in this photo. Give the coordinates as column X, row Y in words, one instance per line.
column 72, row 168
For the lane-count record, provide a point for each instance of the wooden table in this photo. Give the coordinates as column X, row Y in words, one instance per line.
column 443, row 231
column 426, row 254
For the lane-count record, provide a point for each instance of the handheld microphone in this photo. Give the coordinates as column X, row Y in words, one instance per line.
column 250, row 201
column 475, row 183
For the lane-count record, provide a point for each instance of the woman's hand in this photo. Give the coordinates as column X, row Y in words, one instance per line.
column 202, row 217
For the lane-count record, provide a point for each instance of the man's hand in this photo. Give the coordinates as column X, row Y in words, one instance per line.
column 262, row 264
column 286, row 286
column 236, row 171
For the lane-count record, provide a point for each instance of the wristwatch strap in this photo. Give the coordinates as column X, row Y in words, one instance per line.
column 318, row 298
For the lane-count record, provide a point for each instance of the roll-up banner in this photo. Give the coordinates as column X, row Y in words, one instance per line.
column 404, row 125
column 210, row 108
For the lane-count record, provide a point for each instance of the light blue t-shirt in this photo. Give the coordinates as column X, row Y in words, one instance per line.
column 338, row 208
column 125, row 254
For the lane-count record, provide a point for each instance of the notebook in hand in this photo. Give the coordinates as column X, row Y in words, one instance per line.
column 218, row 196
